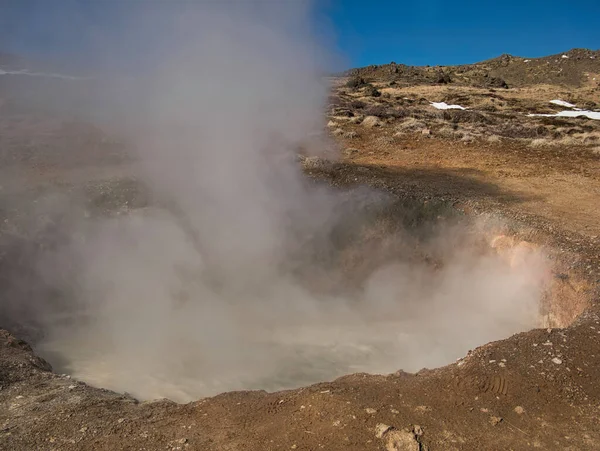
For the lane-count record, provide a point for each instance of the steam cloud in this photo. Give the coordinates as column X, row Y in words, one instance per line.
column 238, row 275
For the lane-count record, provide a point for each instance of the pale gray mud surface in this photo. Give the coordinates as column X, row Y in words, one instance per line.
column 535, row 390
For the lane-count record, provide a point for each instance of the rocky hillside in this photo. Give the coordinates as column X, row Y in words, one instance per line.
column 575, row 68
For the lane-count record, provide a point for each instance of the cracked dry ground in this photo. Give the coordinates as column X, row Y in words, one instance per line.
column 538, row 389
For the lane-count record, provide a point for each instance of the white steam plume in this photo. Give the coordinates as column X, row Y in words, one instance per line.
column 220, row 285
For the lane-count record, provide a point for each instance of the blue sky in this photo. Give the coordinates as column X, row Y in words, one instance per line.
column 364, row 32
column 457, row 32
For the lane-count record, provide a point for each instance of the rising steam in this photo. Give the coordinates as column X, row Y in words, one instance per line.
column 240, row 273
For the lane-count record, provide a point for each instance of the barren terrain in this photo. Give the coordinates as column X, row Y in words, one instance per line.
column 519, row 185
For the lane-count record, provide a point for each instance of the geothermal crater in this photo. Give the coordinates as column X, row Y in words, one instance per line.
column 128, row 302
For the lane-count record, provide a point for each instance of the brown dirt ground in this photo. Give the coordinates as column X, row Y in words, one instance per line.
column 536, row 390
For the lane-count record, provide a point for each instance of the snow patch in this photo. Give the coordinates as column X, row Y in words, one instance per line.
column 37, row 74
column 445, row 106
column 589, row 114
column 562, row 103
column 565, row 57
column 527, row 61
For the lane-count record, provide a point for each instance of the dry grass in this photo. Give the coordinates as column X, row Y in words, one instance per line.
column 569, row 141
column 385, row 112
column 591, row 138
column 446, row 132
column 565, row 141
column 372, row 121
column 529, row 99
column 410, row 125
column 494, row 115
column 341, row 118
column 461, row 116
column 540, row 142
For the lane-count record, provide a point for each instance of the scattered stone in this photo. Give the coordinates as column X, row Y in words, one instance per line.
column 370, row 411
column 556, row 360
column 442, row 78
column 495, row 82
column 356, row 82
column 371, row 91
column 519, row 410
column 381, row 429
column 401, row 441
column 314, row 163
column 495, row 420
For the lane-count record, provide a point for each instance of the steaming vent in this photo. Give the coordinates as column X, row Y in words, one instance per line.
column 205, row 260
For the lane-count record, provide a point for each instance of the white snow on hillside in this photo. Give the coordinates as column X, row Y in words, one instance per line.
column 37, row 74
column 562, row 103
column 445, row 106
column 589, row 114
